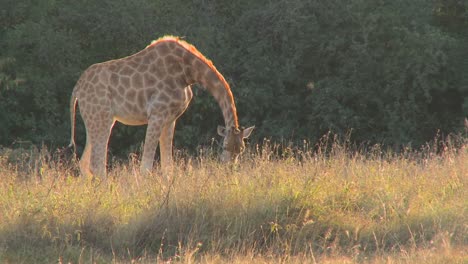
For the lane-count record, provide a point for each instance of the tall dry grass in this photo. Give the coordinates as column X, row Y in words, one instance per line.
column 280, row 205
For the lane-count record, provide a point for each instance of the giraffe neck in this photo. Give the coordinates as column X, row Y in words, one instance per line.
column 202, row 71
column 198, row 69
column 219, row 88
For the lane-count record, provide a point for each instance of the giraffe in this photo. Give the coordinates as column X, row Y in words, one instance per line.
column 150, row 87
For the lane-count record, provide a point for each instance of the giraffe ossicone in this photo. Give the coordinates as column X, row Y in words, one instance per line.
column 150, row 87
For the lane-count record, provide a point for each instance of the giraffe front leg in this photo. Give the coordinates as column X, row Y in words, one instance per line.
column 165, row 145
column 153, row 131
column 165, row 141
column 85, row 158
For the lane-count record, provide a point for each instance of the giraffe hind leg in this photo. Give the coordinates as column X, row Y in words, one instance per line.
column 98, row 131
column 98, row 155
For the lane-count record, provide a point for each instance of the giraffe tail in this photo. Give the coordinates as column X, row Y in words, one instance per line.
column 73, row 102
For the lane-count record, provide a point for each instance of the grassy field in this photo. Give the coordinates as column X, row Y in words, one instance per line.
column 295, row 207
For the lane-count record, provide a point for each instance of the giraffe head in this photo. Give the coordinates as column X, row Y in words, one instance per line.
column 233, row 143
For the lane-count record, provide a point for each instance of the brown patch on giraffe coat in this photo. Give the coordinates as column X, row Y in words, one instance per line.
column 113, row 68
column 95, row 79
column 149, row 93
column 125, row 81
column 91, row 74
column 158, row 69
column 180, row 81
column 162, row 97
column 121, row 90
column 86, row 87
column 142, row 54
column 133, row 64
column 172, row 64
column 188, row 58
column 163, row 49
column 163, row 112
column 187, row 75
column 149, row 80
column 150, row 57
column 141, row 99
column 174, row 105
column 130, row 95
column 118, row 98
column 82, row 104
column 175, row 94
column 170, row 82
column 123, row 110
column 128, row 105
column 126, row 71
column 104, row 77
column 114, row 79
column 178, row 51
column 137, row 59
column 142, row 68
column 199, row 66
column 112, row 89
column 211, row 78
column 199, row 70
column 98, row 67
column 137, row 81
column 147, row 60
column 100, row 90
column 133, row 108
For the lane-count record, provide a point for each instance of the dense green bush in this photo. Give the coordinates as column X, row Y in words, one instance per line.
column 392, row 72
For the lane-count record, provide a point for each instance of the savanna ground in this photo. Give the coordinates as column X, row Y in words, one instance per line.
column 280, row 205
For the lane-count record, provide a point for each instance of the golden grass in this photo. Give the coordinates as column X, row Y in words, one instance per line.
column 297, row 207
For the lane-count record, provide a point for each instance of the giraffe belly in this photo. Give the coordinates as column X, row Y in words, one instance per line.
column 129, row 117
column 131, row 121
column 128, row 113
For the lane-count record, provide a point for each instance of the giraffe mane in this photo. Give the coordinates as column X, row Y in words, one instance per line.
column 189, row 47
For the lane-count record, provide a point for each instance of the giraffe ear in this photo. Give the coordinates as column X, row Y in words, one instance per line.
column 221, row 131
column 246, row 132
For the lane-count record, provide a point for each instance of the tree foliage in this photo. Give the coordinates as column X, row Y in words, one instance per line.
column 392, row 72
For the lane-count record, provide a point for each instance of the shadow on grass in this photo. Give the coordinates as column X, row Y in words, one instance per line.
column 172, row 232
